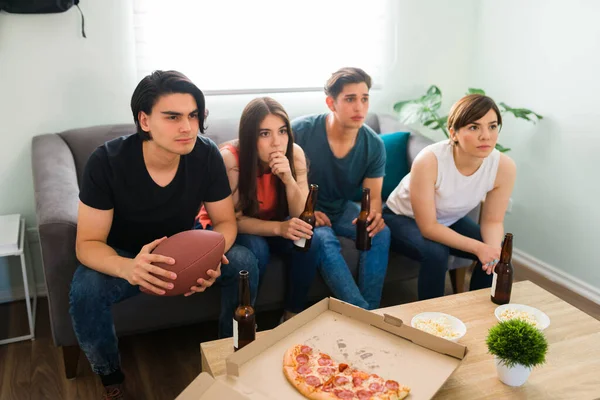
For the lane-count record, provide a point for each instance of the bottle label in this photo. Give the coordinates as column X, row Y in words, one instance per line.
column 235, row 334
column 300, row 242
column 494, row 280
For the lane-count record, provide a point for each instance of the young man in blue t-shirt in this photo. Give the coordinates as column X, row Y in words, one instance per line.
column 344, row 154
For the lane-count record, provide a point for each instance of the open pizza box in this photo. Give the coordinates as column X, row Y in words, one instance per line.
column 205, row 387
column 373, row 343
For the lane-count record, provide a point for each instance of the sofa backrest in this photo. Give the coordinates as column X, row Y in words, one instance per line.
column 82, row 142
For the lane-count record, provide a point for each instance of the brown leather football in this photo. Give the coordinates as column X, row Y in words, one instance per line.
column 194, row 252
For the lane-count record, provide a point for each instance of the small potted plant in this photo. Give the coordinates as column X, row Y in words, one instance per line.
column 517, row 347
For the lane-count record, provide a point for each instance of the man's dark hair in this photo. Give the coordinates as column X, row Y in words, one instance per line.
column 160, row 83
column 344, row 76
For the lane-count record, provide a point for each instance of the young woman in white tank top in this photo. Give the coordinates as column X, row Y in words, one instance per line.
column 426, row 213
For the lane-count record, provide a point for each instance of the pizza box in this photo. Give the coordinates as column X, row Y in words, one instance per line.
column 205, row 387
column 378, row 344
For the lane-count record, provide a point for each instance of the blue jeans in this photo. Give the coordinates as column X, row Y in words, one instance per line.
column 303, row 265
column 407, row 240
column 93, row 294
column 372, row 266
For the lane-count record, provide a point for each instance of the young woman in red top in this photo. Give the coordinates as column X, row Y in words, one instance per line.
column 268, row 178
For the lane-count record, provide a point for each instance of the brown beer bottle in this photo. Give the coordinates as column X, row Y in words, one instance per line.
column 363, row 240
column 244, row 318
column 308, row 216
column 503, row 273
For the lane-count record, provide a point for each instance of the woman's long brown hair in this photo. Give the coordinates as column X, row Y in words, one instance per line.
column 252, row 116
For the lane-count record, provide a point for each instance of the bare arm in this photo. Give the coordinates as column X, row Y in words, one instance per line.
column 296, row 194
column 496, row 202
column 423, row 176
column 223, row 220
column 93, row 227
column 296, row 190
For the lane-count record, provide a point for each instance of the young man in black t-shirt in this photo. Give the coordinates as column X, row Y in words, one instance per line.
column 136, row 191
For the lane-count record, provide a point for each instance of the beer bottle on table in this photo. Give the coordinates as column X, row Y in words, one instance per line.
column 244, row 317
column 503, row 273
column 363, row 240
column 308, row 216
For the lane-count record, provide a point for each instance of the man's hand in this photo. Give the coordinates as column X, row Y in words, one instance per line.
column 375, row 223
column 141, row 271
column 294, row 229
column 280, row 166
column 203, row 283
column 322, row 219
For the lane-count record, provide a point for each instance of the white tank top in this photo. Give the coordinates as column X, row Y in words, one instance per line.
column 455, row 194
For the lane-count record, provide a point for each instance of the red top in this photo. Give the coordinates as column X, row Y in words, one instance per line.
column 266, row 193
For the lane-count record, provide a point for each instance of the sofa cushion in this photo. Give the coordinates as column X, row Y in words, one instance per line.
column 396, row 165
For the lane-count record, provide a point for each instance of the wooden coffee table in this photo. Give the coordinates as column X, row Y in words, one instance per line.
column 572, row 369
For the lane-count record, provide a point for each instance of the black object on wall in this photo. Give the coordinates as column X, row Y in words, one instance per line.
column 41, row 7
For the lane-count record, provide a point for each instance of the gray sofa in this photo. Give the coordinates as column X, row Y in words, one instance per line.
column 58, row 162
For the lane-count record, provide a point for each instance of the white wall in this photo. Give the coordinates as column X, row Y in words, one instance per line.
column 51, row 79
column 543, row 55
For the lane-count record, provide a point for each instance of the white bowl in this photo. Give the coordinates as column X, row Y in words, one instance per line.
column 455, row 324
column 542, row 319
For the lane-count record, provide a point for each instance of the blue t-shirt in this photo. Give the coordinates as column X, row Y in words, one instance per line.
column 338, row 178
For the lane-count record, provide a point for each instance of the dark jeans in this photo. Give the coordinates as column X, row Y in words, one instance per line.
column 302, row 265
column 407, row 240
column 93, row 294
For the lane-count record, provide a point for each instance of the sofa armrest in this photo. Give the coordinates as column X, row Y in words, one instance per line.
column 56, row 194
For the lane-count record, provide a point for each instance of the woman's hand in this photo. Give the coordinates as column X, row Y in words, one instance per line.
column 294, row 229
column 489, row 257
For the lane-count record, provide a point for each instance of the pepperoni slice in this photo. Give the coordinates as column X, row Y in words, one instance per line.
column 376, row 387
column 326, row 371
column 327, row 387
column 344, row 394
column 325, row 361
column 341, row 380
column 364, row 394
column 356, row 381
column 303, row 369
column 301, row 358
column 306, row 349
column 313, row 380
column 392, row 385
column 343, row 367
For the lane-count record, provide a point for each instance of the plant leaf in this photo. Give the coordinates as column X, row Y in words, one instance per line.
column 522, row 113
column 433, row 99
column 411, row 112
column 501, row 148
column 475, row 91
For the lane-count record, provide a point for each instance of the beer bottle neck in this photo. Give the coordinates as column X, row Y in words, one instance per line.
column 365, row 204
column 506, row 254
column 311, row 200
column 244, row 291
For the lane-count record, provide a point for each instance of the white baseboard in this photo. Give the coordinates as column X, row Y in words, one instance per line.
column 557, row 276
column 18, row 293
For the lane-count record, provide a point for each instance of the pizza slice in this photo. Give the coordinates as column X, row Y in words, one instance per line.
column 318, row 377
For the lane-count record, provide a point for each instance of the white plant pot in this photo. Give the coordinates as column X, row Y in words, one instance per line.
column 514, row 376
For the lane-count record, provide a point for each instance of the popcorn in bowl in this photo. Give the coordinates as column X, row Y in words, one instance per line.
column 523, row 312
column 510, row 313
column 439, row 327
column 440, row 324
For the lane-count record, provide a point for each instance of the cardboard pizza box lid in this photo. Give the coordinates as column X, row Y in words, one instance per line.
column 380, row 344
column 205, row 387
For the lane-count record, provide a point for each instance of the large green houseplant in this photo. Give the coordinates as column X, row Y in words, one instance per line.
column 517, row 347
column 425, row 110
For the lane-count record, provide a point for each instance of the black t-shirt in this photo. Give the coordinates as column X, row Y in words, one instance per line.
column 115, row 177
